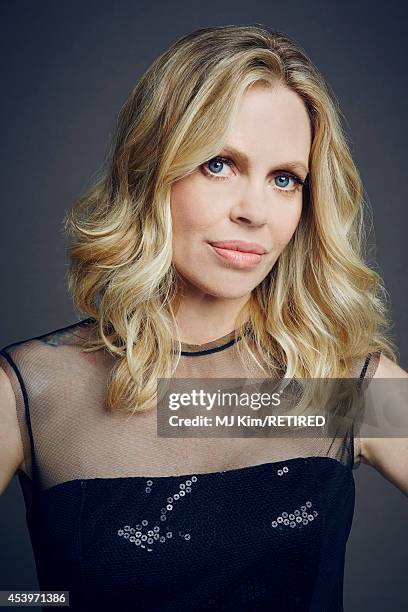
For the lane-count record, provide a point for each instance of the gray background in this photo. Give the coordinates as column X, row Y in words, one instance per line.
column 68, row 66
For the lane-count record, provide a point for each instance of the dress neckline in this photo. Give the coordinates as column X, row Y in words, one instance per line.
column 220, row 343
column 246, row 470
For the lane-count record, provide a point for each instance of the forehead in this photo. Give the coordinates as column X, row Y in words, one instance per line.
column 273, row 122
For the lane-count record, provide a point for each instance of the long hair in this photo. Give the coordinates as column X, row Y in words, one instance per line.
column 318, row 309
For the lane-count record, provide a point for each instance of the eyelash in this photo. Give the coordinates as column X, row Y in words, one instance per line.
column 225, row 160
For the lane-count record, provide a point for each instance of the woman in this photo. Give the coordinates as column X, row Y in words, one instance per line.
column 224, row 239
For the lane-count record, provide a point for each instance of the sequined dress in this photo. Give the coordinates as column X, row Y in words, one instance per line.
column 126, row 521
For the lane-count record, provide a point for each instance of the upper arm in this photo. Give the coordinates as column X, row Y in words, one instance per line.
column 11, row 447
column 388, row 455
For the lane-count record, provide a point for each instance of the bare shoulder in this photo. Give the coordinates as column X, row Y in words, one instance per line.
column 389, row 455
column 11, row 448
column 388, row 369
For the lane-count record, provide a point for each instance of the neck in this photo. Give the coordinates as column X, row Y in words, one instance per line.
column 202, row 318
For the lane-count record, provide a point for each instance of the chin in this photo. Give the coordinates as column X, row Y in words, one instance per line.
column 216, row 285
column 226, row 291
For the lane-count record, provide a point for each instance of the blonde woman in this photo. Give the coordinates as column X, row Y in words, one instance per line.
column 224, row 237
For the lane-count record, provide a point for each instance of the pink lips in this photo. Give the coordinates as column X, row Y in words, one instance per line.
column 238, row 253
column 240, row 245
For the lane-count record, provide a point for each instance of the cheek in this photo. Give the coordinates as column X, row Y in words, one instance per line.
column 284, row 223
column 193, row 209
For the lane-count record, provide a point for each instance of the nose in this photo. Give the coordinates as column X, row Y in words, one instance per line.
column 250, row 205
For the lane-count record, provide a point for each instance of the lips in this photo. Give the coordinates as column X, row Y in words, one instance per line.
column 240, row 245
column 236, row 258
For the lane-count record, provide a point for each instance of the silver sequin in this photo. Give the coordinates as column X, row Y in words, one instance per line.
column 152, row 534
column 296, row 518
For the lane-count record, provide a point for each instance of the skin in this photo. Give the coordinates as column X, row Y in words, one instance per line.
column 250, row 202
column 389, row 456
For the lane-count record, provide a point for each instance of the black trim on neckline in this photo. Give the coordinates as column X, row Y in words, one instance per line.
column 215, row 349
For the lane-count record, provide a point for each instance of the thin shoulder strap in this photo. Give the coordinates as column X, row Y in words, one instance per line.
column 34, row 466
column 369, row 368
column 365, row 366
column 353, row 434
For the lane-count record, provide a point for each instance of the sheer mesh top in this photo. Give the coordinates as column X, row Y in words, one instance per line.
column 118, row 515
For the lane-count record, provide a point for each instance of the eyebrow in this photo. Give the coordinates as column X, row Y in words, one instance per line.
column 244, row 159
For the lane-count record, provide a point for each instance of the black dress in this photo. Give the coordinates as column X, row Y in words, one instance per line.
column 111, row 524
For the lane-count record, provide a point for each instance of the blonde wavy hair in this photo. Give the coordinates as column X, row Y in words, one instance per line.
column 318, row 309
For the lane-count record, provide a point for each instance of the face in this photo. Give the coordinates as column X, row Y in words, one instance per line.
column 250, row 192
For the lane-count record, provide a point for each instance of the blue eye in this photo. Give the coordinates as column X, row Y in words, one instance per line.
column 213, row 168
column 217, row 165
column 282, row 180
